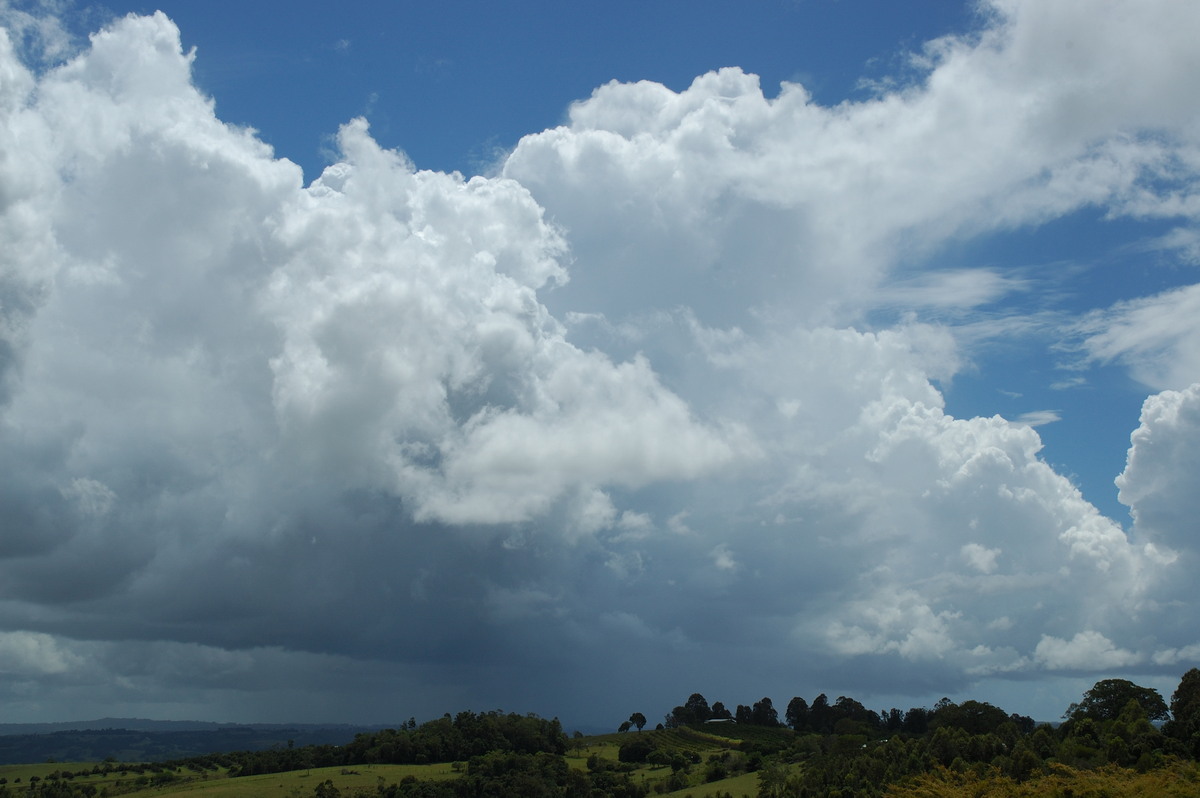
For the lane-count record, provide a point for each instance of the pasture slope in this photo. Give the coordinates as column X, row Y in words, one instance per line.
column 700, row 749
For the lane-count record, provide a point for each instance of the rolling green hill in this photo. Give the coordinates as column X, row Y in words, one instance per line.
column 1108, row 745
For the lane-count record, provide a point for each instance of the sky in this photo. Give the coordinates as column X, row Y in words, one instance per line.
column 384, row 360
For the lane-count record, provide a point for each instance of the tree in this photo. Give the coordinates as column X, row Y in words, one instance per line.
column 819, row 717
column 916, row 721
column 1185, row 712
column 624, row 727
column 636, row 750
column 848, row 708
column 694, row 710
column 638, row 719
column 1185, row 701
column 1108, row 697
column 1024, row 723
column 326, row 790
column 773, row 780
column 764, row 714
column 973, row 717
column 719, row 712
column 796, row 714
column 697, row 707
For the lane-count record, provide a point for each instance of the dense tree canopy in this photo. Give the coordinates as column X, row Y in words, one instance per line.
column 1185, row 712
column 796, row 714
column 763, row 713
column 694, row 710
column 1108, row 697
column 973, row 717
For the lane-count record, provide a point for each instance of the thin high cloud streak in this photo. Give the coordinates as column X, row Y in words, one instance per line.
column 614, row 420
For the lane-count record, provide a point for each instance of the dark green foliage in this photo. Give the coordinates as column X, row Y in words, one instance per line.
column 819, row 720
column 1108, row 697
column 504, row 774
column 677, row 781
column 796, row 715
column 764, row 714
column 1184, row 725
column 466, row 735
column 694, row 710
column 748, row 738
column 411, row 787
column 916, row 721
column 1043, row 742
column 973, row 717
column 1024, row 723
column 606, row 779
column 443, row 740
column 636, row 750
column 1023, row 763
column 852, row 712
column 326, row 790
column 1126, row 740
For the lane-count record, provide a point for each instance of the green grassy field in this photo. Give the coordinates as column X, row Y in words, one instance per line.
column 42, row 770
column 351, row 780
column 18, row 776
column 696, row 745
column 723, row 740
column 744, row 785
column 218, row 784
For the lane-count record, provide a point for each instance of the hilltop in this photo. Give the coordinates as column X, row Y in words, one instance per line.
column 1109, row 743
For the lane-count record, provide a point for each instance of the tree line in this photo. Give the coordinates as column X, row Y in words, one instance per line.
column 842, row 748
column 818, row 748
column 843, row 716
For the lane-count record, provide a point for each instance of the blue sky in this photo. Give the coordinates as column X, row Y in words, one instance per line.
column 378, row 361
column 453, row 83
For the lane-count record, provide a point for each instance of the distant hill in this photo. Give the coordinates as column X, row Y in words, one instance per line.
column 140, row 740
column 144, row 724
column 133, row 724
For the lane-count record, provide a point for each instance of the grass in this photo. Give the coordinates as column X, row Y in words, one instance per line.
column 745, row 784
column 41, row 770
column 348, row 780
column 17, row 776
column 693, row 743
column 218, row 784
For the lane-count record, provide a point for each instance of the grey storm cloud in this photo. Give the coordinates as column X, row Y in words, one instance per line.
column 397, row 442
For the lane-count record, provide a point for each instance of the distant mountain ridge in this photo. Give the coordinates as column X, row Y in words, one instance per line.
column 142, row 740
column 148, row 725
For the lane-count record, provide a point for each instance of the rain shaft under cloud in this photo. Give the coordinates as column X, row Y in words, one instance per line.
column 619, row 418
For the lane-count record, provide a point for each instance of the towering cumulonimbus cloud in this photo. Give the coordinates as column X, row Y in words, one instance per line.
column 630, row 406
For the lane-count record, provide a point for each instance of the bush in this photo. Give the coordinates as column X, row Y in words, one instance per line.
column 716, row 771
column 637, row 750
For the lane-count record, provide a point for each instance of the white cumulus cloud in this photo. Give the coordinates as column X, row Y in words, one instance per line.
column 629, row 400
column 1087, row 651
